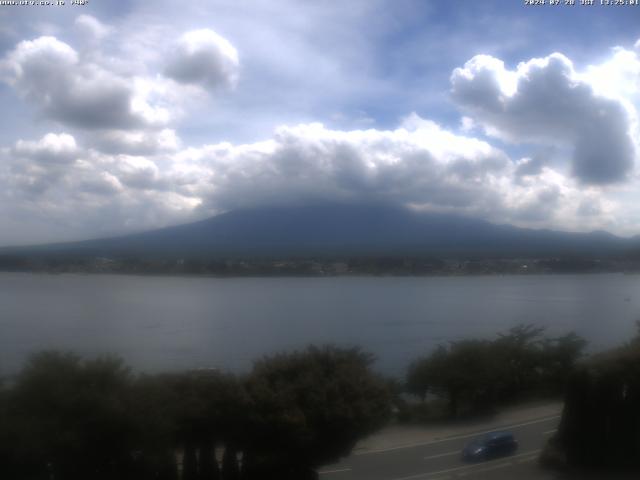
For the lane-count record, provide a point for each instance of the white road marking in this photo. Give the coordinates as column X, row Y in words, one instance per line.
column 549, row 432
column 457, row 437
column 448, row 454
column 471, row 468
column 337, row 470
column 482, row 470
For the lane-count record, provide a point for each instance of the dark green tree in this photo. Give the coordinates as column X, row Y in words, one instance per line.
column 558, row 360
column 418, row 380
column 477, row 375
column 230, row 468
column 520, row 355
column 467, row 373
column 310, row 408
column 600, row 425
column 193, row 412
column 70, row 418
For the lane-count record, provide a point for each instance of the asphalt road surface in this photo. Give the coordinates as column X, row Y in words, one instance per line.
column 441, row 459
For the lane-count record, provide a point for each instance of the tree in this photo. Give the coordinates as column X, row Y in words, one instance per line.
column 418, row 381
column 476, row 375
column 558, row 359
column 520, row 352
column 192, row 412
column 69, row 418
column 466, row 373
column 600, row 424
column 7, row 454
column 309, row 408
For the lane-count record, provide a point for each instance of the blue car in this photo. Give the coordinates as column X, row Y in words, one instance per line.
column 489, row 446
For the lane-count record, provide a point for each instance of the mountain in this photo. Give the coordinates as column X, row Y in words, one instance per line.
column 339, row 230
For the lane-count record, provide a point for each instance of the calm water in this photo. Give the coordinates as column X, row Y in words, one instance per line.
column 159, row 323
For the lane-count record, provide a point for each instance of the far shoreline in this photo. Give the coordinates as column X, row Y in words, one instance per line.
column 311, row 276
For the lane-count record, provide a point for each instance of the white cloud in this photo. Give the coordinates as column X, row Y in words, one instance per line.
column 98, row 183
column 35, row 166
column 50, row 74
column 134, row 102
column 467, row 124
column 136, row 142
column 52, row 148
column 202, row 57
column 618, row 77
column 91, row 28
column 418, row 164
column 137, row 172
column 37, row 56
column 546, row 101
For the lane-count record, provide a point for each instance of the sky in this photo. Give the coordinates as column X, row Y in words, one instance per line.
column 124, row 116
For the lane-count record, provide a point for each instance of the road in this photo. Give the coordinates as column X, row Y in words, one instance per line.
column 440, row 459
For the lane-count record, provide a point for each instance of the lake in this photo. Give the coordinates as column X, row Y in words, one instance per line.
column 167, row 323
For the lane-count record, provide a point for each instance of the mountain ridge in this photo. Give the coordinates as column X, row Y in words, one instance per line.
column 339, row 229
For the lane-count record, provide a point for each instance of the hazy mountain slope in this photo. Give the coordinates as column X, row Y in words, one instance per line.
column 340, row 229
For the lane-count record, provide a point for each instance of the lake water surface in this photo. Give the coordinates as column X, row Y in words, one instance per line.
column 161, row 323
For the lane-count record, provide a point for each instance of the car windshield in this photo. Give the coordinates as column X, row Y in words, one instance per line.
column 477, row 444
